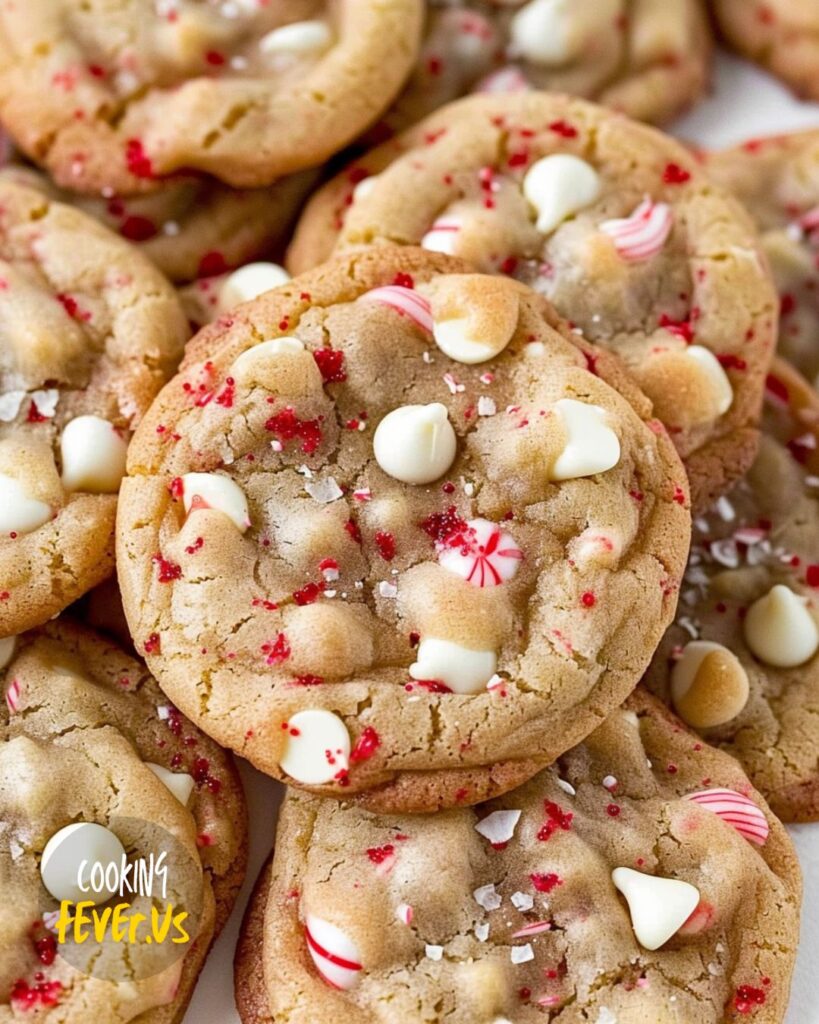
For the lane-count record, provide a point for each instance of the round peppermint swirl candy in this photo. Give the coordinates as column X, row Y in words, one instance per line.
column 409, row 517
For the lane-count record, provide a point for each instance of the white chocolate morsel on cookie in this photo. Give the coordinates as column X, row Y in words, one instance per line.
column 481, row 553
column 282, row 365
column 249, row 282
column 461, row 669
column 93, row 455
column 299, row 39
column 591, row 445
column 717, row 378
column 415, row 443
column 474, row 316
column 553, row 32
column 659, row 907
column 18, row 512
column 709, row 685
column 317, row 748
column 780, row 630
column 334, row 953
column 73, row 859
column 179, row 783
column 442, row 236
column 558, row 186
column 7, row 647
column 218, row 492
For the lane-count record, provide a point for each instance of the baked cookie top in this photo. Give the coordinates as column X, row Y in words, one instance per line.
column 391, row 533
column 640, row 879
column 740, row 663
column 615, row 224
column 777, row 180
column 650, row 60
column 112, row 101
column 87, row 736
column 781, row 35
column 89, row 331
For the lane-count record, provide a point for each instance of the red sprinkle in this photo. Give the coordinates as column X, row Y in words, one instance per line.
column 588, row 600
column 747, row 998
column 675, row 175
column 212, row 263
column 331, row 364
column 556, row 819
column 385, row 542
column 287, row 426
column 167, row 570
column 403, row 280
column 441, row 525
column 41, row 993
column 368, row 742
column 564, row 129
column 308, row 594
column 545, row 882
column 138, row 229
column 151, row 645
column 277, row 650
column 137, row 160
column 378, row 854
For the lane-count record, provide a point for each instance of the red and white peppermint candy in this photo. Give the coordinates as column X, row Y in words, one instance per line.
column 333, row 952
column 481, row 553
column 535, row 928
column 404, row 913
column 442, row 236
column 643, row 234
column 509, row 79
column 404, row 301
column 736, row 810
column 13, row 695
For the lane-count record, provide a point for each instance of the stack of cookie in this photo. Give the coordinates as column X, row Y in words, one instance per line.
column 485, row 518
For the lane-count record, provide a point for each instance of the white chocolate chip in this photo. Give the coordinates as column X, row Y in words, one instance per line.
column 709, row 685
column 63, row 857
column 18, row 512
column 179, row 783
column 285, row 345
column 558, row 186
column 723, row 393
column 659, row 907
column 443, row 235
column 415, row 443
column 299, row 39
column 456, row 339
column 249, row 282
column 462, row 669
column 218, row 492
column 93, row 456
column 541, row 32
column 591, row 445
column 317, row 749
column 780, row 630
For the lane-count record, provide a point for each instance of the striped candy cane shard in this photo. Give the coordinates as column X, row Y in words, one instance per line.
column 333, row 952
column 404, row 301
column 643, row 234
column 442, row 236
column 535, row 928
column 13, row 696
column 735, row 809
column 481, row 553
column 404, row 913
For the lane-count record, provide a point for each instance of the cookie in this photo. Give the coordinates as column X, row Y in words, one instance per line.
column 777, row 180
column 640, row 879
column 390, row 532
column 612, row 222
column 115, row 102
column 90, row 330
column 649, row 60
column 740, row 663
column 87, row 736
column 781, row 35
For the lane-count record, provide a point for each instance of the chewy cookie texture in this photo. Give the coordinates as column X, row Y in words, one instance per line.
column 89, row 331
column 116, row 101
column 390, row 531
column 86, row 735
column 611, row 221
column 740, row 663
column 639, row 879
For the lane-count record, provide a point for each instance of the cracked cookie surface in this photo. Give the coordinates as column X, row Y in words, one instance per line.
column 776, row 178
column 615, row 224
column 114, row 98
column 740, row 661
column 650, row 60
column 508, row 911
column 439, row 561
column 89, row 331
column 85, row 735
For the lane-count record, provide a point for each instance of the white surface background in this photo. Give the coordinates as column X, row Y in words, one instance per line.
column 744, row 102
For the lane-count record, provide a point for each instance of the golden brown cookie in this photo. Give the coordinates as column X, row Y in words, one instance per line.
column 86, row 736
column 647, row 58
column 89, row 332
column 394, row 533
column 114, row 101
column 740, row 663
column 639, row 879
column 615, row 224
column 781, row 35
column 777, row 179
